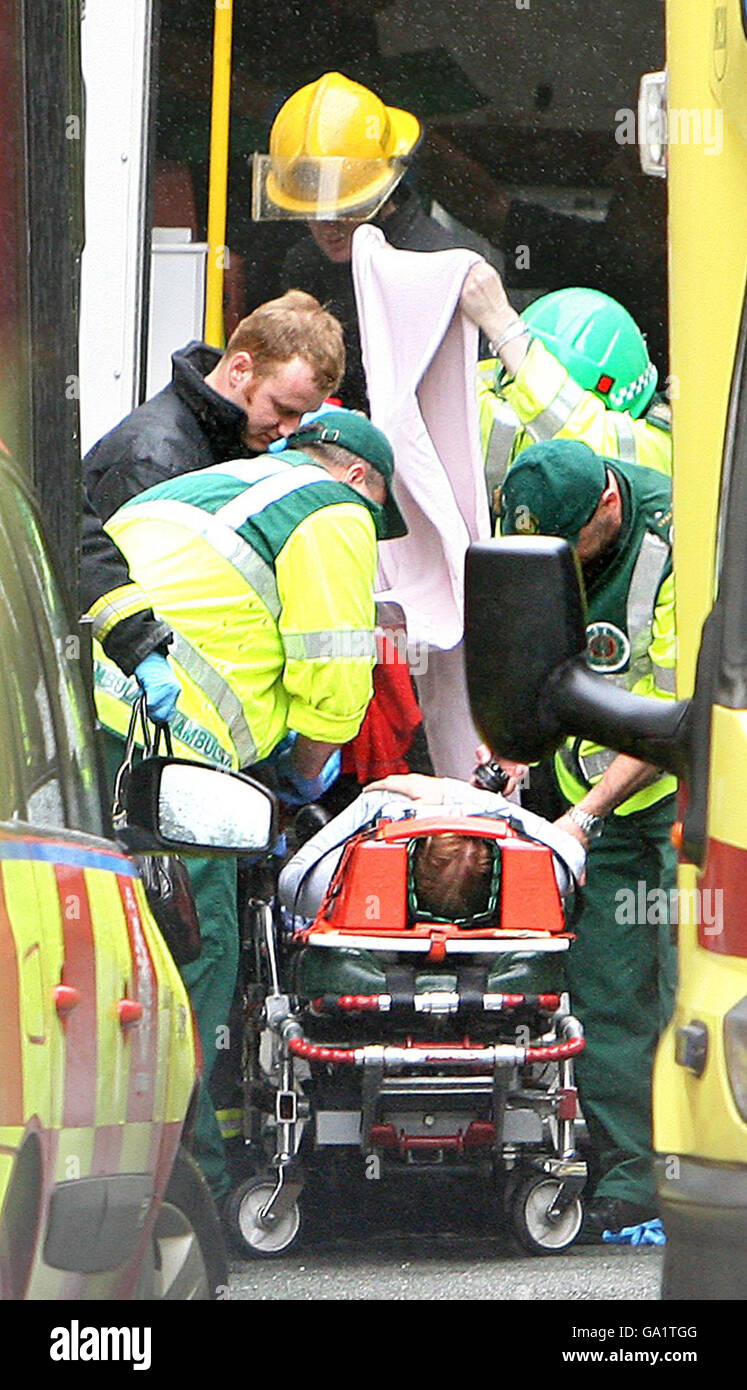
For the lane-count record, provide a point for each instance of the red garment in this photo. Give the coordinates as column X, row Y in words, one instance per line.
column 391, row 719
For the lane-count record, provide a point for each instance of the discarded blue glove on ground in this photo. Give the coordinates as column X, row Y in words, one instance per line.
column 648, row 1233
column 160, row 686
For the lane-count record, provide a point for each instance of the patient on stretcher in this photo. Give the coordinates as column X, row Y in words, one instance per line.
column 453, row 873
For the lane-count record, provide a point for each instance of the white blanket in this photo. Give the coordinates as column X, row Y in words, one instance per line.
column 420, row 354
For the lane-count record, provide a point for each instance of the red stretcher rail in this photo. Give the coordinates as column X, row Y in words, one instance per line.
column 436, row 1054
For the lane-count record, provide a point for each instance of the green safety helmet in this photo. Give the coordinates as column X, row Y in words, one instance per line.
column 599, row 343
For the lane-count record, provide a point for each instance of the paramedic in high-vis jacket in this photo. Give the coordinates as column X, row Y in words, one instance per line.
column 621, row 969
column 264, row 571
column 573, row 365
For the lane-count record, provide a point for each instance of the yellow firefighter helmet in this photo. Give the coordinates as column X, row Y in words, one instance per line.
column 336, row 151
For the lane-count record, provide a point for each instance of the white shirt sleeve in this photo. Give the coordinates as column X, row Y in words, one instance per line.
column 304, row 880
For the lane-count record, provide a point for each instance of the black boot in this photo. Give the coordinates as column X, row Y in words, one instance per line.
column 611, row 1214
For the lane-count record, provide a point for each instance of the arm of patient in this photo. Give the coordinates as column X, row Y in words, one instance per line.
column 305, row 878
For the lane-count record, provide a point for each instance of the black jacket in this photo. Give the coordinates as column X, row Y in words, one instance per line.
column 187, row 425
column 104, row 570
column 306, row 267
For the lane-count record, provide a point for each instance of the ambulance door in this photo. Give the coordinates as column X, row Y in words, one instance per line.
column 75, row 949
column 30, row 795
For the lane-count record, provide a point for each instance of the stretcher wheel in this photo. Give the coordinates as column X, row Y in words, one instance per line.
column 536, row 1231
column 247, row 1232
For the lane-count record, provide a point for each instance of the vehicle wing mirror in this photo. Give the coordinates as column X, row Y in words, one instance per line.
column 190, row 808
column 527, row 675
column 525, row 616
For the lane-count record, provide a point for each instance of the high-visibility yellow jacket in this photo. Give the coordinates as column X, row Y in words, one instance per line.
column 119, row 610
column 630, row 636
column 264, row 569
column 544, row 402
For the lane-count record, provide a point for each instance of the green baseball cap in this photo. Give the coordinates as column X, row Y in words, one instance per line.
column 356, row 433
column 552, row 489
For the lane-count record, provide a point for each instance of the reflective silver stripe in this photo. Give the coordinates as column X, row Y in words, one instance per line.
column 503, row 432
column 262, row 494
column 356, row 644
column 626, row 395
column 665, row 678
column 220, row 695
column 590, row 766
column 596, row 764
column 203, row 743
column 250, row 470
column 552, row 419
column 644, row 585
column 131, row 600
column 258, row 574
column 625, row 438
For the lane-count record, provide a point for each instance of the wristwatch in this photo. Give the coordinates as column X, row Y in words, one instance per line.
column 592, row 826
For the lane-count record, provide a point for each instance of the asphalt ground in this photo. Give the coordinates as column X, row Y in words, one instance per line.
column 446, row 1267
column 429, row 1239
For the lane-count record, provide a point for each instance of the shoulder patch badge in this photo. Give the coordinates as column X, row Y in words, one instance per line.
column 607, row 648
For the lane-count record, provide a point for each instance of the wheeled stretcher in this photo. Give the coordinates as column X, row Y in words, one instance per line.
column 414, row 1042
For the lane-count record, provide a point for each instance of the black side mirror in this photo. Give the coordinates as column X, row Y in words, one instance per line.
column 525, row 616
column 527, row 676
column 189, row 808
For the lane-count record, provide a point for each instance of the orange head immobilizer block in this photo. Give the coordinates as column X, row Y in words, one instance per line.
column 370, row 891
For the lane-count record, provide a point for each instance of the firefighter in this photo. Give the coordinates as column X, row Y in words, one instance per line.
column 337, row 159
column 264, row 569
column 574, row 365
column 620, row 971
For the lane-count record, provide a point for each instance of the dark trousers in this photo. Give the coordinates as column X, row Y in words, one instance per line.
column 210, row 982
column 621, row 973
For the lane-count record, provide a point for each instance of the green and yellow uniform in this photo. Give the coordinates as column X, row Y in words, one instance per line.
column 544, row 402
column 621, row 969
column 264, row 570
column 622, row 972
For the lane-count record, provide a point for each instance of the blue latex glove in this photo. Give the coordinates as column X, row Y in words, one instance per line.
column 295, row 790
column 278, row 445
column 648, row 1233
column 161, row 687
column 282, row 747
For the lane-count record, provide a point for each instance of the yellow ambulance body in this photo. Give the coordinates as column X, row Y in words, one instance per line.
column 700, row 1090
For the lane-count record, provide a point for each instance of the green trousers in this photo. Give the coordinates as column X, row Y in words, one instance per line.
column 621, row 973
column 210, row 982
